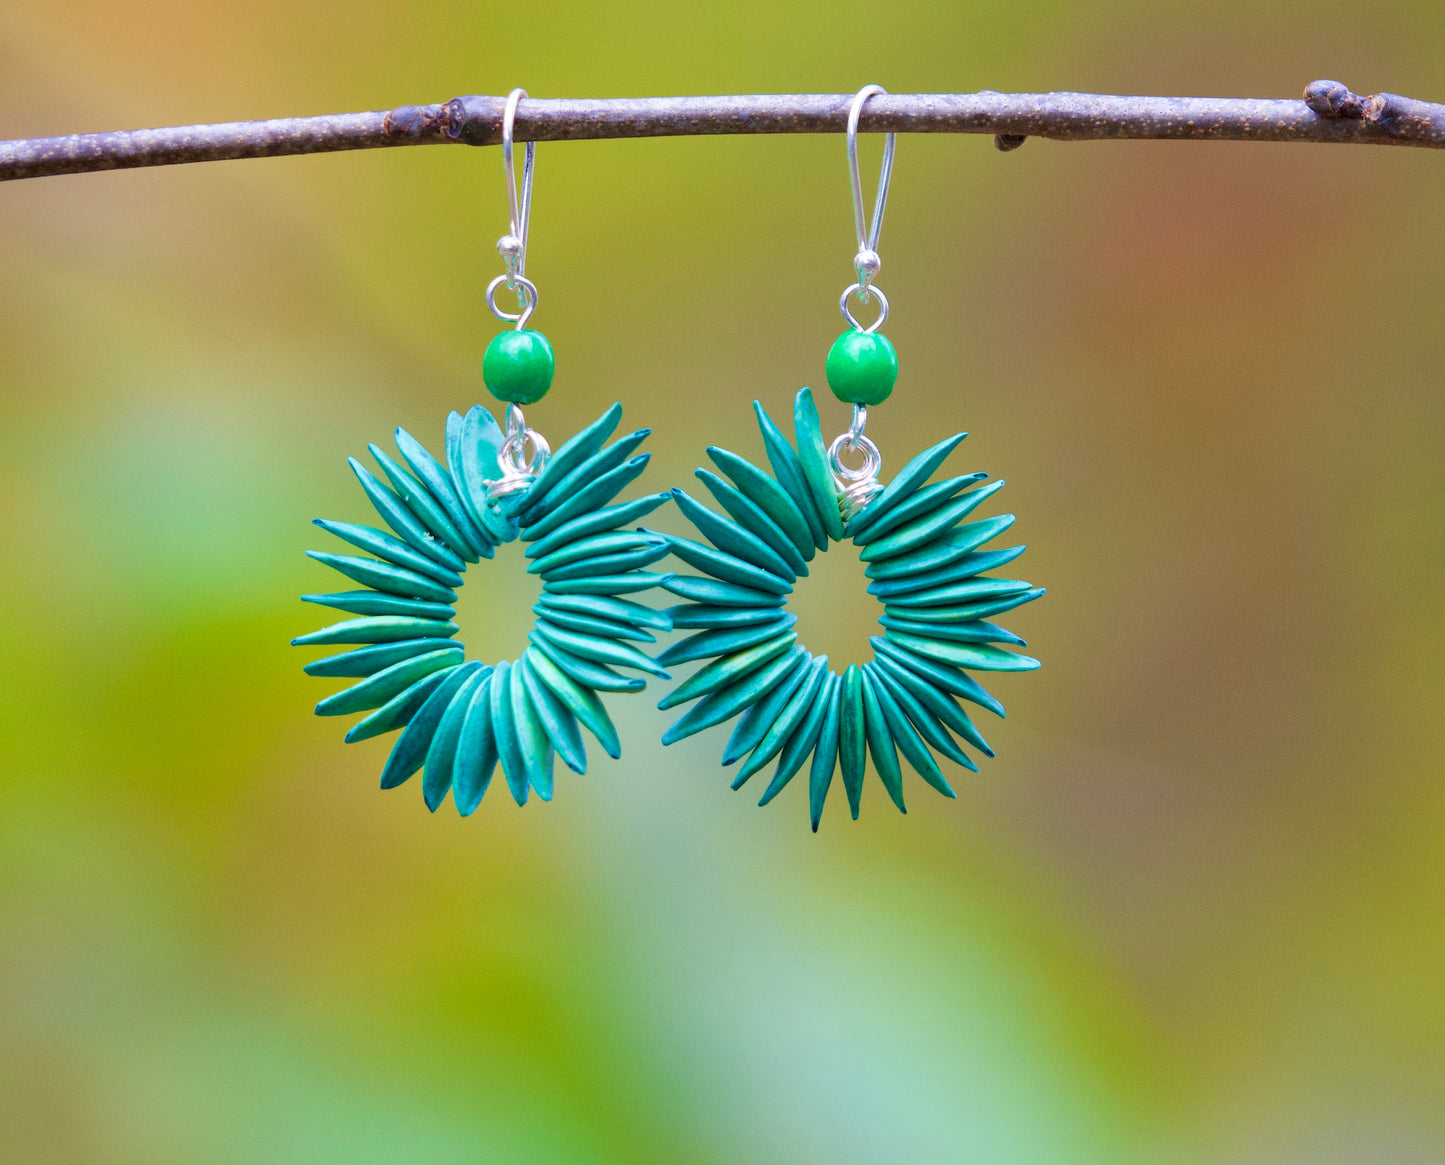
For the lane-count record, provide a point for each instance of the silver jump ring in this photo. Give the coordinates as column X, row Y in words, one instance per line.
column 865, row 293
column 872, row 459
column 527, row 296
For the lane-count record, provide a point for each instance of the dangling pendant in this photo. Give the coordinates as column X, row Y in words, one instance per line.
column 927, row 564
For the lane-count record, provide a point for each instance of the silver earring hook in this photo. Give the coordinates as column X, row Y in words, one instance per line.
column 866, row 262
column 513, row 245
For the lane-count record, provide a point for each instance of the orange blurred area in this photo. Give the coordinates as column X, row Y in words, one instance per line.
column 1191, row 912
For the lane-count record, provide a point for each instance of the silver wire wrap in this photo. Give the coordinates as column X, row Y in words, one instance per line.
column 513, row 245
column 860, row 486
column 518, row 470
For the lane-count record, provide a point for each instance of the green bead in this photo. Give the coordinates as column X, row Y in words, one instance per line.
column 862, row 367
column 518, row 366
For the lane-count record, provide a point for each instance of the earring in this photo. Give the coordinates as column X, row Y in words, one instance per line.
column 461, row 718
column 926, row 562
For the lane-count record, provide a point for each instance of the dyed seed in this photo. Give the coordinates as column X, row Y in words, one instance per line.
column 424, row 706
column 395, row 512
column 978, row 656
column 929, row 726
column 904, row 734
column 376, row 690
column 607, row 628
column 538, row 506
column 622, row 610
column 476, row 752
column 504, row 732
column 852, row 737
column 378, row 629
column 923, row 530
column 598, row 522
column 731, row 538
column 925, row 501
column 447, row 545
column 714, row 592
column 969, row 566
column 382, row 576
column 945, row 676
column 968, row 612
column 753, row 724
column 581, row 702
column 813, row 457
column 727, row 567
column 398, row 711
column 862, row 367
column 803, row 740
column 880, row 742
column 589, row 673
column 910, row 478
column 721, row 640
column 793, row 714
column 976, row 631
column 825, row 755
column 689, row 616
column 945, row 550
column 594, row 495
column 765, row 493
column 574, row 451
column 390, row 548
column 727, row 670
column 723, row 705
column 747, row 514
column 606, row 651
column 788, row 471
column 372, row 603
column 940, row 704
column 439, row 483
column 974, row 590
column 532, row 740
column 610, row 565
column 365, row 661
column 607, row 584
column 441, row 754
column 561, row 728
column 518, row 366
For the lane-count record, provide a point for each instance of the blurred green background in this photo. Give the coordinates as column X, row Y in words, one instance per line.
column 1191, row 913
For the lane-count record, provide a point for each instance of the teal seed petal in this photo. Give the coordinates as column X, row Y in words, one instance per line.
column 586, row 672
column 532, row 738
column 947, row 549
column 621, row 610
column 691, row 615
column 880, row 742
column 372, row 603
column 930, row 728
column 813, row 457
column 727, row 567
column 627, row 583
column 597, row 522
column 946, row 676
column 910, row 478
column 941, row 705
column 968, row 612
column 609, row 565
column 793, row 714
column 598, row 649
column 504, row 733
column 733, row 539
column 765, row 493
column 751, row 517
column 852, row 737
column 392, row 549
column 607, row 628
column 959, row 594
column 976, row 656
column 969, row 566
column 440, row 485
column 428, row 701
column 925, row 501
column 447, row 546
column 472, row 445
column 728, row 669
column 976, row 631
column 721, row 640
column 561, row 728
column 441, row 755
column 376, row 690
column 788, row 471
column 595, row 546
column 592, row 496
column 903, row 733
column 399, row 711
column 539, row 505
column 395, row 512
column 755, row 721
column 924, row 530
column 378, row 629
column 714, row 592
column 825, row 753
column 382, row 576
column 476, row 752
column 803, row 740
column 574, row 451
column 582, row 702
column 727, row 703
column 366, row 661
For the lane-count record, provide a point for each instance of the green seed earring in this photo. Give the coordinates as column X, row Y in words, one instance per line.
column 928, row 566
column 460, row 718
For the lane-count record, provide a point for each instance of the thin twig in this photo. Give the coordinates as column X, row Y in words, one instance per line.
column 1328, row 113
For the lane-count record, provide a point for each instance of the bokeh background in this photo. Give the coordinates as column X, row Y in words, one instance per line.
column 1192, row 912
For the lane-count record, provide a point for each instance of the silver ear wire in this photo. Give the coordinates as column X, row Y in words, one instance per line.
column 513, row 245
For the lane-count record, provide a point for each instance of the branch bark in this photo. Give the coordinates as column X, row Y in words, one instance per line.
column 1329, row 113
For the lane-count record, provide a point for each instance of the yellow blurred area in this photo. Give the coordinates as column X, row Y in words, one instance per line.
column 1191, row 912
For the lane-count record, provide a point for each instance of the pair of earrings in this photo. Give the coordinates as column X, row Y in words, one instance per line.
column 462, row 719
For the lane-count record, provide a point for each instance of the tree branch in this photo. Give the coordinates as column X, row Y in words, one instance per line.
column 1328, row 113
